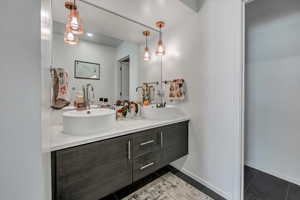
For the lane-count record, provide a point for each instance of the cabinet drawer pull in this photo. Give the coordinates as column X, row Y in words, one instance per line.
column 129, row 150
column 146, row 166
column 161, row 139
column 148, row 142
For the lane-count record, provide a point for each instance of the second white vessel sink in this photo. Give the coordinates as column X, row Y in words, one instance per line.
column 167, row 113
column 88, row 122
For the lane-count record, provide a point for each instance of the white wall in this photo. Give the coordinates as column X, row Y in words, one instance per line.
column 205, row 51
column 132, row 50
column 20, row 103
column 273, row 88
column 64, row 56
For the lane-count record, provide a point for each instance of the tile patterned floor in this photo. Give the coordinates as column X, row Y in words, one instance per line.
column 168, row 187
column 165, row 184
column 262, row 186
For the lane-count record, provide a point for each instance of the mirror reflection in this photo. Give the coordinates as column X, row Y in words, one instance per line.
column 106, row 55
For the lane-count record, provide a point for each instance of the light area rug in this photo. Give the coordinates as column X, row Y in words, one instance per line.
column 168, row 187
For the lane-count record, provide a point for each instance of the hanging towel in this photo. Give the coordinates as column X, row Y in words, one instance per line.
column 176, row 90
column 61, row 94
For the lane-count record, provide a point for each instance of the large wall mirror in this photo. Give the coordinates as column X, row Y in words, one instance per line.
column 107, row 55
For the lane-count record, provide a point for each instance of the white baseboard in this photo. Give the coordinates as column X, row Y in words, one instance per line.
column 273, row 172
column 205, row 183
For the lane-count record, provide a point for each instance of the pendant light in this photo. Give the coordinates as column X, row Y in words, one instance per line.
column 147, row 54
column 70, row 37
column 160, row 50
column 74, row 20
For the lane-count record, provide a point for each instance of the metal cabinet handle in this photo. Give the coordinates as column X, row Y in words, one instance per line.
column 129, row 149
column 161, row 139
column 146, row 166
column 148, row 142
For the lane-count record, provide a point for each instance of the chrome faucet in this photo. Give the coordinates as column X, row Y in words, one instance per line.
column 87, row 96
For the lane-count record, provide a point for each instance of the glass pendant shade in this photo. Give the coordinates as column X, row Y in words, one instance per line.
column 70, row 37
column 147, row 54
column 75, row 22
column 161, row 50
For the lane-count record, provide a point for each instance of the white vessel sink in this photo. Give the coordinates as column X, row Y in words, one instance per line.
column 89, row 122
column 167, row 113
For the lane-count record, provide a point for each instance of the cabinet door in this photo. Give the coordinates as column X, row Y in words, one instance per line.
column 92, row 171
column 174, row 142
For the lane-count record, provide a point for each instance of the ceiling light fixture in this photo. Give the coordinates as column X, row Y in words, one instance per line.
column 147, row 54
column 160, row 50
column 74, row 21
column 70, row 37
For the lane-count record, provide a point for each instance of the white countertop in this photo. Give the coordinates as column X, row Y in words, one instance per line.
column 59, row 140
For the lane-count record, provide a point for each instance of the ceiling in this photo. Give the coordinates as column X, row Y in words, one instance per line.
column 147, row 12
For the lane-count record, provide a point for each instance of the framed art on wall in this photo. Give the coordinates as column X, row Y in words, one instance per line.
column 87, row 70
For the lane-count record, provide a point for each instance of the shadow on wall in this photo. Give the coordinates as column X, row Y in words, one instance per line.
column 193, row 4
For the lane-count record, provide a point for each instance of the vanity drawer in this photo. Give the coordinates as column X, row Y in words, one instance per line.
column 146, row 142
column 145, row 165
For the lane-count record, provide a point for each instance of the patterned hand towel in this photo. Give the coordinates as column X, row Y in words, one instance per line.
column 63, row 86
column 176, row 90
column 60, row 88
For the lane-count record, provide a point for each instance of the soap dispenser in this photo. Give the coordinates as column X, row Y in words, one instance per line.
column 80, row 100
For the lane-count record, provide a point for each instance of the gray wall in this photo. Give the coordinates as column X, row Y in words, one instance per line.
column 273, row 87
column 20, row 104
column 132, row 50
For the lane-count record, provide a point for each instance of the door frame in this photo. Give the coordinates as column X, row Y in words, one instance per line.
column 239, row 180
column 119, row 66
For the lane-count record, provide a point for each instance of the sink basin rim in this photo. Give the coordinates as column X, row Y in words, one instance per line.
column 85, row 114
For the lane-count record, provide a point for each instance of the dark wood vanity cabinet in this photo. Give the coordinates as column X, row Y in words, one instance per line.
column 92, row 171
column 175, row 142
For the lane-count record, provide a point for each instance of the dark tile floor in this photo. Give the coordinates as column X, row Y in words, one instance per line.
column 262, row 186
column 141, row 183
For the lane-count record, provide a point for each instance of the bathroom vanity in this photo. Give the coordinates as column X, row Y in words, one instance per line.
column 94, row 170
column 100, row 144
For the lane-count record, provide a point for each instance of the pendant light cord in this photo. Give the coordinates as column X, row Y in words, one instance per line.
column 161, row 70
column 160, row 34
column 161, row 78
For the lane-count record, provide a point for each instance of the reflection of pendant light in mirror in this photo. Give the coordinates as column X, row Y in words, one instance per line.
column 147, row 54
column 74, row 21
column 70, row 37
column 160, row 50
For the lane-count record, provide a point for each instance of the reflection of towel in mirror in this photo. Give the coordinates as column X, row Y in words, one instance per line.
column 61, row 95
column 63, row 86
column 152, row 94
column 139, row 95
